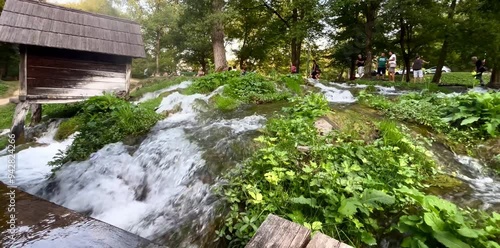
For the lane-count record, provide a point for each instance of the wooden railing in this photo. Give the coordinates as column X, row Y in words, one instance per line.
column 276, row 232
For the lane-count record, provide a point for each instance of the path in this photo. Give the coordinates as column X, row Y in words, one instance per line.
column 5, row 101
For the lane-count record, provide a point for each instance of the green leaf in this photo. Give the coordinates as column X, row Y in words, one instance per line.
column 349, row 206
column 304, row 201
column 372, row 196
column 469, row 120
column 368, row 238
column 449, row 240
column 317, row 225
column 467, row 232
column 434, row 221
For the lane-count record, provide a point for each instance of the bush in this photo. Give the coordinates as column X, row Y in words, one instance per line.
column 253, row 88
column 61, row 110
column 292, row 82
column 104, row 120
column 211, row 82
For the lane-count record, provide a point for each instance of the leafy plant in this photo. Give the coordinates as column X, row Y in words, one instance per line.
column 104, row 120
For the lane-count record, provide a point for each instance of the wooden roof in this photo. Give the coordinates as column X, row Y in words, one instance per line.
column 31, row 22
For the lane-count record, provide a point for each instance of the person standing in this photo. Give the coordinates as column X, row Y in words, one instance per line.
column 417, row 67
column 382, row 65
column 315, row 70
column 392, row 66
column 360, row 63
column 480, row 68
column 293, row 69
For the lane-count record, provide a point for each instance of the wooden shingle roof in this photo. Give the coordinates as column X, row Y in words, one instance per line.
column 31, row 22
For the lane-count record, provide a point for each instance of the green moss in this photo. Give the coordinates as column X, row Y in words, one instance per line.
column 225, row 103
column 444, row 181
column 67, row 127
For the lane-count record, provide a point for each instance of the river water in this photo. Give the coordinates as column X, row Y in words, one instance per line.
column 161, row 188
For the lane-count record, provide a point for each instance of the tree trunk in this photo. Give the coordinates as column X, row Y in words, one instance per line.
column 157, row 54
column 444, row 48
column 203, row 64
column 352, row 69
column 218, row 37
column 295, row 43
column 369, row 28
column 495, row 78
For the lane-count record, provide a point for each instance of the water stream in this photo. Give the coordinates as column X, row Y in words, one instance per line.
column 161, row 188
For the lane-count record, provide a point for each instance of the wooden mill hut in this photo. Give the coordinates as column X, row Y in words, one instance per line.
column 67, row 55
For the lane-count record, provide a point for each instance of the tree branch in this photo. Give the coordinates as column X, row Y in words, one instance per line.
column 276, row 13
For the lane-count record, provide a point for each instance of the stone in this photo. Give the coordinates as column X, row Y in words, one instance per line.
column 323, row 126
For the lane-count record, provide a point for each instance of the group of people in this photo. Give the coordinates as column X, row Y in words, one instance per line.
column 389, row 65
column 315, row 70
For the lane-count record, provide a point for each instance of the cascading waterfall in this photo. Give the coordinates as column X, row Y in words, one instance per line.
column 155, row 189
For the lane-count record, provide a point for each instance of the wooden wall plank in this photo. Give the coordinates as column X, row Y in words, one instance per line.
column 65, row 92
column 322, row 241
column 34, row 60
column 71, row 74
column 128, row 75
column 76, row 84
column 277, row 232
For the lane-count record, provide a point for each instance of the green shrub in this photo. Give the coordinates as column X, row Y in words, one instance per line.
column 226, row 103
column 151, row 104
column 104, row 120
column 292, row 82
column 348, row 189
column 67, row 127
column 211, row 82
column 253, row 88
column 61, row 110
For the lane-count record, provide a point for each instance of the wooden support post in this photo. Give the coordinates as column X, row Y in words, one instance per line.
column 128, row 75
column 18, row 122
column 36, row 114
column 277, row 232
column 23, row 58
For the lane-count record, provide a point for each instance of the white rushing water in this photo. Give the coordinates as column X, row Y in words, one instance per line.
column 333, row 94
column 155, row 94
column 485, row 187
column 153, row 189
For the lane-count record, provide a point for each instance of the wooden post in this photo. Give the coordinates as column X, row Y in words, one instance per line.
column 128, row 75
column 23, row 59
column 18, row 121
column 36, row 114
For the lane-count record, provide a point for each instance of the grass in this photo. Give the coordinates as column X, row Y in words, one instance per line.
column 6, row 113
column 67, row 127
column 226, row 103
column 4, row 142
column 7, row 88
column 151, row 85
column 456, row 78
column 402, row 85
column 151, row 104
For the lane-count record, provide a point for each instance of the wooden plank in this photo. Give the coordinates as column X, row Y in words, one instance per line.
column 277, row 232
column 64, row 92
column 322, row 241
column 108, row 84
column 73, row 74
column 51, row 62
column 36, row 114
column 23, row 80
column 128, row 75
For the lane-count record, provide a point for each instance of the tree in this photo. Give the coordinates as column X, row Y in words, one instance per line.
column 448, row 34
column 218, row 35
column 104, row 7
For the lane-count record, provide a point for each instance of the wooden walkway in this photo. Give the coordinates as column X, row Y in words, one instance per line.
column 277, row 232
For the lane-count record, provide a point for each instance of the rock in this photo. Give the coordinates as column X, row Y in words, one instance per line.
column 37, row 131
column 303, row 149
column 323, row 126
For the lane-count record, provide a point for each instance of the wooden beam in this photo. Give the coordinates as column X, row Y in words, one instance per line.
column 18, row 121
column 23, row 79
column 36, row 114
column 128, row 75
column 277, row 232
column 322, row 241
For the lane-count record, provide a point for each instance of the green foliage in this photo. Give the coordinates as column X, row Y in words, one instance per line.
column 67, row 127
column 475, row 110
column 96, row 6
column 456, row 78
column 292, row 82
column 61, row 110
column 226, row 103
column 104, row 120
column 350, row 190
column 151, row 104
column 253, row 88
column 211, row 82
column 441, row 223
column 4, row 142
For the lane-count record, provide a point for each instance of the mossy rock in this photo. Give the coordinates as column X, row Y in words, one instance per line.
column 67, row 127
column 357, row 125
